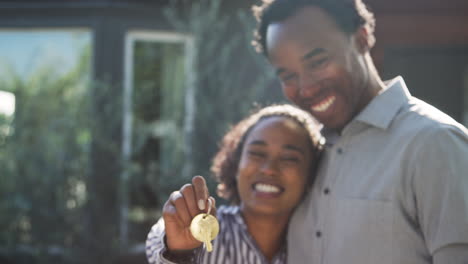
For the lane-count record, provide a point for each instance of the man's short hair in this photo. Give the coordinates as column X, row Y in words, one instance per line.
column 349, row 15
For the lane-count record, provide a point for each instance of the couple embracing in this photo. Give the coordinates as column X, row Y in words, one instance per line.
column 383, row 178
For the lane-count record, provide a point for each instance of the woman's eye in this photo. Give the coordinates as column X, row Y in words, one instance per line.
column 288, row 77
column 291, row 159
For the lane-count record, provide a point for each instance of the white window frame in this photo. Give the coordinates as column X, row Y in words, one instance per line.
column 465, row 98
column 160, row 37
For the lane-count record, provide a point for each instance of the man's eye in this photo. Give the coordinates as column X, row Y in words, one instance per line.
column 317, row 63
column 256, row 154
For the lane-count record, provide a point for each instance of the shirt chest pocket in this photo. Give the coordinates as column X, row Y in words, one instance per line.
column 360, row 232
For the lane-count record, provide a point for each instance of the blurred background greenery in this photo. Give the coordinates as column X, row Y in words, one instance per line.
column 61, row 129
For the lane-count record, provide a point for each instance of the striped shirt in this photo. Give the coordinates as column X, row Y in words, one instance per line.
column 233, row 245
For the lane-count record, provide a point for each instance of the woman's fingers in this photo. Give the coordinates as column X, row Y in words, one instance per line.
column 189, row 196
column 178, row 201
column 201, row 192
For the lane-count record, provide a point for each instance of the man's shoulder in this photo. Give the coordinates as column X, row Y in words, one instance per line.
column 420, row 129
column 423, row 118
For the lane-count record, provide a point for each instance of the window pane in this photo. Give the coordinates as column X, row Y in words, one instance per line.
column 158, row 90
column 159, row 96
column 44, row 156
column 26, row 51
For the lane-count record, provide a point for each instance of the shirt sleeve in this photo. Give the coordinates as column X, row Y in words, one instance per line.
column 440, row 185
column 157, row 252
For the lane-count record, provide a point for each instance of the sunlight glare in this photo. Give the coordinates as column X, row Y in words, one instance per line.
column 7, row 103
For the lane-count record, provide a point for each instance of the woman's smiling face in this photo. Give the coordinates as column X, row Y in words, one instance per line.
column 274, row 167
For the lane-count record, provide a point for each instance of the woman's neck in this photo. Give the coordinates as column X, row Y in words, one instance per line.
column 269, row 232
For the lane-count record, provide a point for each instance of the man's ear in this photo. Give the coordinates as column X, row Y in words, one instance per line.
column 363, row 40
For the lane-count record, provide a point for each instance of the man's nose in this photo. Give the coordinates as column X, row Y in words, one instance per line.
column 308, row 87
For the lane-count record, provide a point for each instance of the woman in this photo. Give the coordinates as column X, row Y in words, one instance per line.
column 264, row 166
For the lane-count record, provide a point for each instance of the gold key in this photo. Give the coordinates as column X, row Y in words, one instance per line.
column 204, row 228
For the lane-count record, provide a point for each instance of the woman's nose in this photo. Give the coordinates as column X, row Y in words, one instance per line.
column 269, row 167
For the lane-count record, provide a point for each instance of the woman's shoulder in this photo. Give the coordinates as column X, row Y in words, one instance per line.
column 227, row 211
column 229, row 214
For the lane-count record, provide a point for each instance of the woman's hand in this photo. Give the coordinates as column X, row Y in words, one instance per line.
column 179, row 210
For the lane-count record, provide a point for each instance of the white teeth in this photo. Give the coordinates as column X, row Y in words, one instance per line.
column 266, row 188
column 324, row 105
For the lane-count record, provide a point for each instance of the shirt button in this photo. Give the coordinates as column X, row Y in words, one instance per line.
column 339, row 150
column 318, row 234
column 326, row 191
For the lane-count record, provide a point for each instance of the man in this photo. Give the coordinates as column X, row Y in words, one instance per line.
column 393, row 184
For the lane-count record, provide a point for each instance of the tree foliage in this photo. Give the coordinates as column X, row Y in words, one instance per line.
column 48, row 147
column 44, row 161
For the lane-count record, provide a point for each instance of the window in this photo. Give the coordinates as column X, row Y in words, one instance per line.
column 158, row 117
column 25, row 52
column 44, row 75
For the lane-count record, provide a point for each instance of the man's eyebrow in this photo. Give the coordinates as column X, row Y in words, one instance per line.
column 295, row 148
column 312, row 53
column 257, row 142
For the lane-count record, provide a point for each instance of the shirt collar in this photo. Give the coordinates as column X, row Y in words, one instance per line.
column 234, row 210
column 383, row 108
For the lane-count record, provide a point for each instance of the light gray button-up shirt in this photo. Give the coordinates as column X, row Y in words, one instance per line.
column 391, row 189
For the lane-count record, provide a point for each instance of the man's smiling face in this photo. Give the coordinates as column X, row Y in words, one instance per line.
column 321, row 68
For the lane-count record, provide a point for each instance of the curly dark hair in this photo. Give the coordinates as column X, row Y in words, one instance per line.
column 350, row 15
column 226, row 161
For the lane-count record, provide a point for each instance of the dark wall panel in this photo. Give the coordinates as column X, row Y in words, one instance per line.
column 435, row 75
